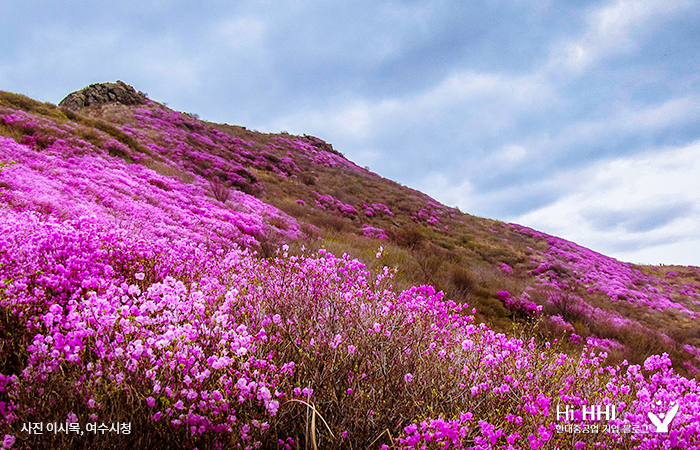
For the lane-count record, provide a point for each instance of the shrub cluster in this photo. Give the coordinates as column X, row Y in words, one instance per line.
column 132, row 294
column 218, row 349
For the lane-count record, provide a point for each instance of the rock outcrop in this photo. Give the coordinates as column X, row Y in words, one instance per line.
column 322, row 145
column 103, row 94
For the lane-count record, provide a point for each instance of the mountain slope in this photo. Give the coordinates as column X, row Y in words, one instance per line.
column 300, row 189
column 115, row 198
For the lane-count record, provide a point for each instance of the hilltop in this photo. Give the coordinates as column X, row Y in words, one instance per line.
column 115, row 204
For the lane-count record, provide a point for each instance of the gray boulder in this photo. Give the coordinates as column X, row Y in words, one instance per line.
column 103, row 94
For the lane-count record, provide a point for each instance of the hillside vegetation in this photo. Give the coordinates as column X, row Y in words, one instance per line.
column 217, row 287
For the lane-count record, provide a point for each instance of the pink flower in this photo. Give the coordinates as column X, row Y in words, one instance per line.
column 534, row 442
column 408, row 377
column 8, row 441
column 272, row 407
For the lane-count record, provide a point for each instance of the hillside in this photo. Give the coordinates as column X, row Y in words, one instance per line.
column 144, row 250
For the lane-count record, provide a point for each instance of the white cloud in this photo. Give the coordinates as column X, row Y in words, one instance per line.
column 613, row 29
column 494, row 101
column 632, row 208
column 353, row 121
column 439, row 187
column 684, row 252
column 500, row 91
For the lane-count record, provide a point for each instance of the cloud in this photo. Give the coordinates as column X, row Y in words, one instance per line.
column 674, row 252
column 638, row 220
column 487, row 102
column 625, row 129
column 460, row 196
column 517, row 194
column 615, row 28
column 629, row 204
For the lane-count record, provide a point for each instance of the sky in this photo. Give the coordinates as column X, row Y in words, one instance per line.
column 579, row 119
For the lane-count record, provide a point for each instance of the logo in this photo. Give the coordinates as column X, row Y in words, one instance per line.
column 590, row 413
column 662, row 420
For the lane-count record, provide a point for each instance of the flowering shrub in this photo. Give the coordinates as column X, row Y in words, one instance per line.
column 376, row 208
column 67, row 183
column 562, row 324
column 617, row 280
column 213, row 348
column 130, row 295
column 566, row 269
column 374, row 232
column 521, row 305
column 603, row 344
column 318, row 152
column 332, row 204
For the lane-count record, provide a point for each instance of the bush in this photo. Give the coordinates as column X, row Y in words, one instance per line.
column 219, row 190
column 235, row 350
column 409, row 236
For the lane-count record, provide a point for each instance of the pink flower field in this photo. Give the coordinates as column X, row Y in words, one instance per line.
column 137, row 310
